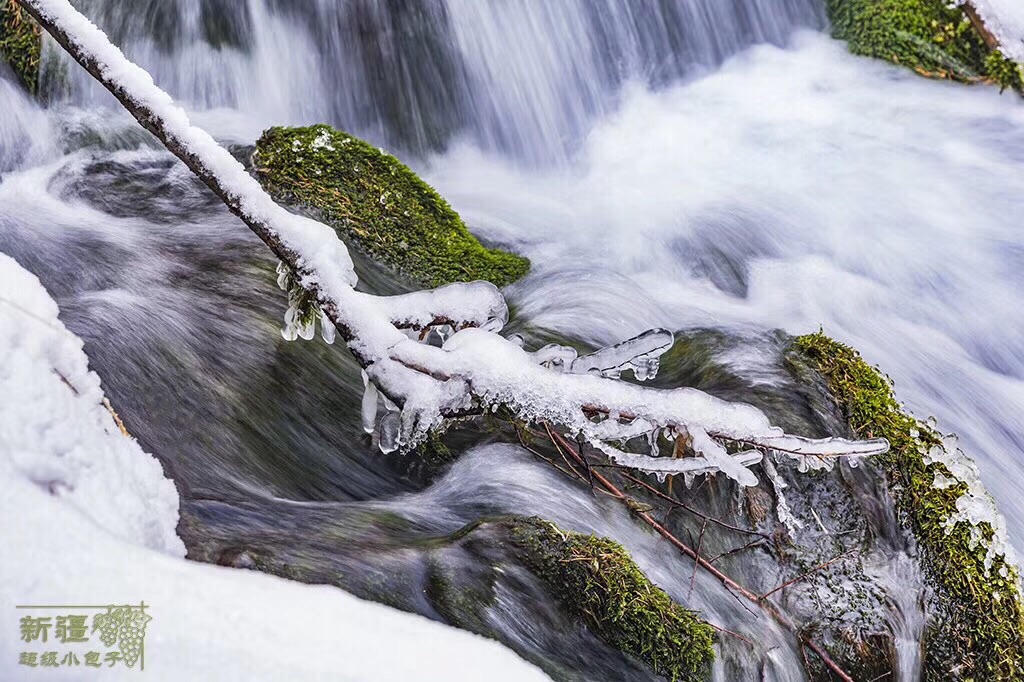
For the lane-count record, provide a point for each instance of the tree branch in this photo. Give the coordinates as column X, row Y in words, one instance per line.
column 475, row 369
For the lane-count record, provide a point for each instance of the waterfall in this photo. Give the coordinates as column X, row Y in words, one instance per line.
column 519, row 77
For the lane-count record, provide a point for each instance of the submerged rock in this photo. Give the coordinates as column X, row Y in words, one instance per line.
column 21, row 43
column 976, row 603
column 374, row 200
column 596, row 579
column 935, row 38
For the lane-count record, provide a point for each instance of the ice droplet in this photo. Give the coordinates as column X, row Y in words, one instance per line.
column 555, row 356
column 493, row 325
column 390, row 431
column 434, row 338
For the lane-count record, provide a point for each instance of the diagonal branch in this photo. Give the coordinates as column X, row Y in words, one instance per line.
column 467, row 368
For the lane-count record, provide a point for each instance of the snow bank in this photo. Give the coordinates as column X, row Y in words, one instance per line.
column 56, row 433
column 1005, row 19
column 88, row 517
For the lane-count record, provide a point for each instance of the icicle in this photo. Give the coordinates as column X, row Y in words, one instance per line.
column 782, row 510
column 327, row 329
column 369, row 406
column 645, row 367
column 663, row 466
column 284, row 276
column 495, row 325
column 821, row 453
column 716, row 454
column 411, row 425
column 652, row 441
column 291, row 315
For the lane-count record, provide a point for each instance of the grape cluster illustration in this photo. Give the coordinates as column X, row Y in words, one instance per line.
column 125, row 625
column 108, row 624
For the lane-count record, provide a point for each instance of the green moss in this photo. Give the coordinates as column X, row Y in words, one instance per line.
column 1007, row 73
column 461, row 594
column 373, row 199
column 596, row 579
column 928, row 36
column 21, row 43
column 434, row 451
column 981, row 618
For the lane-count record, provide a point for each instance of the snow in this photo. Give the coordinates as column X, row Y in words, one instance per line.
column 90, row 518
column 53, row 422
column 976, row 506
column 470, row 303
column 502, row 373
column 1005, row 19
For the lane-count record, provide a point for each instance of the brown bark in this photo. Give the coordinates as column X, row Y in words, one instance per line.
column 979, row 25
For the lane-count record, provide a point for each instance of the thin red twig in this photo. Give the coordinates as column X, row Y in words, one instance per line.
column 700, row 543
column 728, row 582
column 676, row 503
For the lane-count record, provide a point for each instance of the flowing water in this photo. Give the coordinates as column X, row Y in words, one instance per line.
column 719, row 168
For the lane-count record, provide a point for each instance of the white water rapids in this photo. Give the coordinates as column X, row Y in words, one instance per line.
column 794, row 188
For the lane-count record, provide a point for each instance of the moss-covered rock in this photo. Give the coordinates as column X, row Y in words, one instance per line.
column 1006, row 72
column 375, row 201
column 979, row 630
column 21, row 43
column 932, row 37
column 597, row 580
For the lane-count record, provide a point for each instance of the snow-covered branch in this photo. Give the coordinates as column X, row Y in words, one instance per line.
column 430, row 356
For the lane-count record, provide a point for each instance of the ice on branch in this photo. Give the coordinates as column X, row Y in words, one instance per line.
column 434, row 356
column 642, row 354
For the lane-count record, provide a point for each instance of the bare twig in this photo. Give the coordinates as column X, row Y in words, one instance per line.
column 558, row 447
column 827, row 660
column 728, row 582
column 752, row 543
column 730, row 632
column 569, row 473
column 700, row 543
column 676, row 503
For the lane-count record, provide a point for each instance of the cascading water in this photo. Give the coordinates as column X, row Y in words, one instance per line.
column 525, row 78
column 688, row 164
